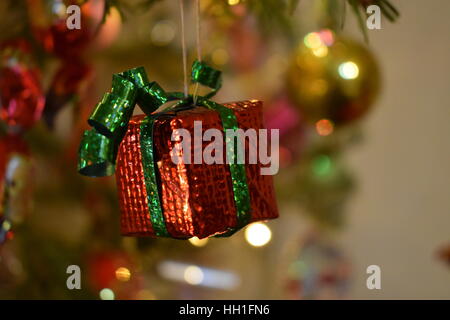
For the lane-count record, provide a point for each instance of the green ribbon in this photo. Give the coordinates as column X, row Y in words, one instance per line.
column 98, row 148
column 151, row 184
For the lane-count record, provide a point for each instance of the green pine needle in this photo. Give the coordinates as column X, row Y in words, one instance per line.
column 356, row 9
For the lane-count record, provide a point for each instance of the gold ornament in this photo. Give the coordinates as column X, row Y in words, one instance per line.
column 332, row 78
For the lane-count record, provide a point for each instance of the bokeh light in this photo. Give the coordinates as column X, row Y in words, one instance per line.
column 59, row 9
column 220, row 57
column 320, row 52
column 312, row 40
column 324, row 127
column 258, row 234
column 348, row 70
column 193, row 275
column 107, row 294
column 145, row 294
column 198, row 242
column 322, row 165
column 6, row 225
column 327, row 37
column 163, row 32
column 318, row 42
column 233, row 2
column 123, row 274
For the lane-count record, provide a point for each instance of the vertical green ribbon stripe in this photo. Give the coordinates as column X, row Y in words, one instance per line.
column 237, row 170
column 151, row 183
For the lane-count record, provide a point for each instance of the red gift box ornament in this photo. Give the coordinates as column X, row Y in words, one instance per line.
column 161, row 192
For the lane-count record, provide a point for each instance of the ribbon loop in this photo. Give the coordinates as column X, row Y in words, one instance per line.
column 206, row 75
column 151, row 97
column 124, row 88
column 136, row 75
column 96, row 155
column 150, row 94
column 111, row 115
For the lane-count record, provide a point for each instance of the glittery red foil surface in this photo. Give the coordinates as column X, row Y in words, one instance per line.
column 197, row 199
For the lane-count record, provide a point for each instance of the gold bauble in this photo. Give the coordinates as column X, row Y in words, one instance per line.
column 332, row 78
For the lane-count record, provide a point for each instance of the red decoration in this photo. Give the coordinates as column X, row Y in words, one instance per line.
column 282, row 115
column 49, row 22
column 102, row 268
column 444, row 254
column 49, row 25
column 21, row 96
column 69, row 76
column 65, row 85
column 114, row 270
column 8, row 145
column 197, row 199
column 247, row 46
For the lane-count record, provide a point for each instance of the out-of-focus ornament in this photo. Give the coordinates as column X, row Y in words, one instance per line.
column 332, row 78
column 15, row 186
column 48, row 19
column 319, row 270
column 21, row 95
column 324, row 185
column 444, row 254
column 282, row 115
column 246, row 45
column 107, row 268
column 68, row 77
column 109, row 30
column 113, row 275
column 65, row 85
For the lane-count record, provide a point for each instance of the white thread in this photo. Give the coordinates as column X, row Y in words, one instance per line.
column 199, row 48
column 197, row 18
column 183, row 45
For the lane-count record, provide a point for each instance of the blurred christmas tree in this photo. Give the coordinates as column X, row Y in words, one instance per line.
column 50, row 79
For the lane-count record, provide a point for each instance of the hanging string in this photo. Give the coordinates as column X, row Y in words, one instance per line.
column 199, row 48
column 183, row 46
column 197, row 21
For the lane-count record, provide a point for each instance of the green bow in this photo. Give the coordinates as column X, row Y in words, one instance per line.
column 99, row 146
